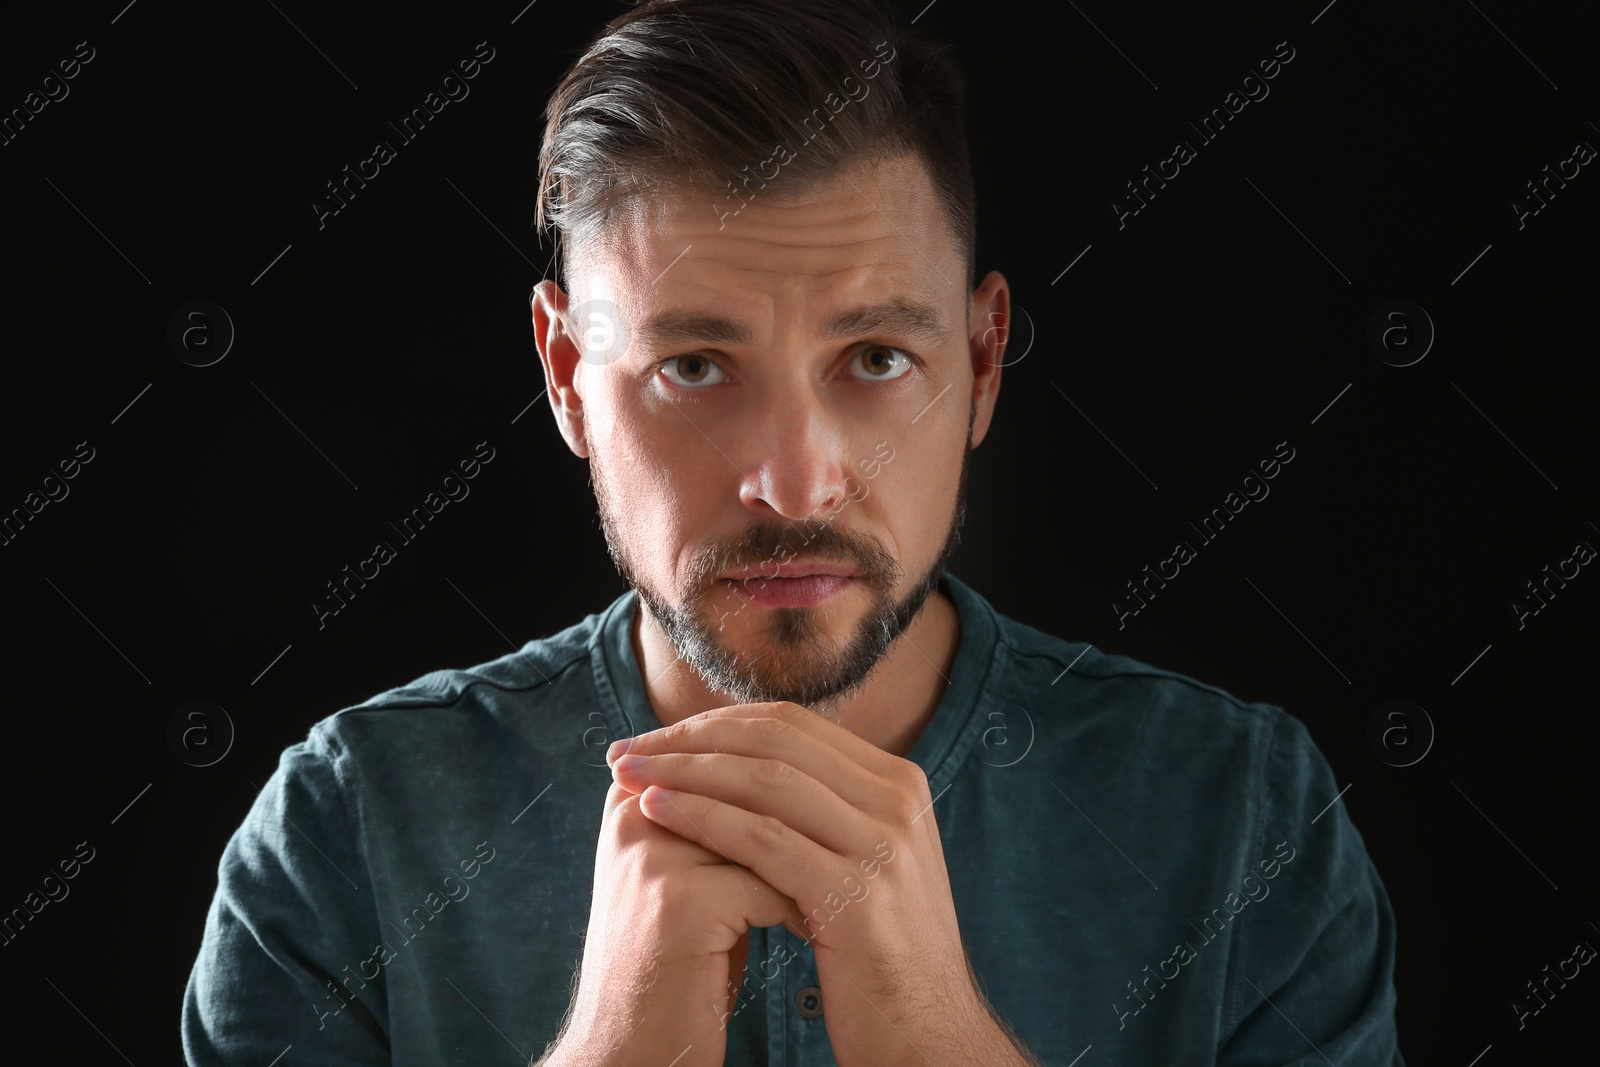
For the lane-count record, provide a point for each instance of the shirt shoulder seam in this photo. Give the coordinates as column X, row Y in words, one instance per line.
column 1146, row 671
column 403, row 698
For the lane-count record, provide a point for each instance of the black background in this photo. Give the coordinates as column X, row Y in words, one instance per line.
column 1224, row 318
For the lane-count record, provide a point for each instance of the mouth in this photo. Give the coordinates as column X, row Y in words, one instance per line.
column 792, row 569
column 793, row 585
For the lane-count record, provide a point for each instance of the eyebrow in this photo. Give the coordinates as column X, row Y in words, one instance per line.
column 896, row 315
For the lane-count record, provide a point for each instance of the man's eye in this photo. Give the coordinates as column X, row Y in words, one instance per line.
column 692, row 370
column 881, row 362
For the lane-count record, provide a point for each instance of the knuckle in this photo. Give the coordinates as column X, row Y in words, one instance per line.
column 771, row 729
column 782, row 710
column 913, row 793
column 616, row 797
column 913, row 776
column 771, row 774
column 629, row 818
column 631, row 827
column 768, row 832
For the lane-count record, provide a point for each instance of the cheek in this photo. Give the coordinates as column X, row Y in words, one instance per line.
column 599, row 404
column 913, row 497
column 661, row 489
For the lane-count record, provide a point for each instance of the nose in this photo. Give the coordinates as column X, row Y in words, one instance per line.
column 797, row 468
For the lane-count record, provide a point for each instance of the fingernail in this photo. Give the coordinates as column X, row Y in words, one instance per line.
column 629, row 762
column 617, row 747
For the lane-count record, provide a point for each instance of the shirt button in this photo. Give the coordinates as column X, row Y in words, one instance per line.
column 809, row 1001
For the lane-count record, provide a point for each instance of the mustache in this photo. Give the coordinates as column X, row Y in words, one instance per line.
column 765, row 545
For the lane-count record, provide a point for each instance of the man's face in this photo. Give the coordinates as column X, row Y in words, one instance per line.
column 798, row 434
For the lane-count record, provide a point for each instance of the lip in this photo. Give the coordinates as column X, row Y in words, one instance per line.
column 792, row 569
column 801, row 591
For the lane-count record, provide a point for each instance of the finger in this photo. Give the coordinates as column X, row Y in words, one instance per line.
column 825, row 729
column 758, row 904
column 781, row 856
column 682, row 851
column 614, row 797
column 864, row 753
column 762, row 785
column 762, row 737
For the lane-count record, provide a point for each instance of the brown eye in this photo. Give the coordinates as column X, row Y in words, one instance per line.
column 692, row 370
column 883, row 362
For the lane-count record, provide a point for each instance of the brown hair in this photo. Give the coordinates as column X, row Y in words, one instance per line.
column 708, row 97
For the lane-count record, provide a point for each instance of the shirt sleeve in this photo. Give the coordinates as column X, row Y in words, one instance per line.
column 286, row 959
column 1313, row 980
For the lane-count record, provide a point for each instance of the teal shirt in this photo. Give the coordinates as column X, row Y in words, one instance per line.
column 1139, row 862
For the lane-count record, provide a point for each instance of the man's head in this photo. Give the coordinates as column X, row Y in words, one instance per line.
column 769, row 328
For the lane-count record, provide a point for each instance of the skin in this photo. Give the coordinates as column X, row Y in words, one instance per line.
column 798, row 796
column 776, row 430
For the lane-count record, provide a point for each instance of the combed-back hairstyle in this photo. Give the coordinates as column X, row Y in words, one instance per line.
column 710, row 97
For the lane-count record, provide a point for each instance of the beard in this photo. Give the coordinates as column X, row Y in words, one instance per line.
column 791, row 657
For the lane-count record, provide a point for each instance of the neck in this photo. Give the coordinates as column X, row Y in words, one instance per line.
column 890, row 709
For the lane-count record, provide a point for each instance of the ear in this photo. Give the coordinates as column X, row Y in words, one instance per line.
column 991, row 329
column 560, row 357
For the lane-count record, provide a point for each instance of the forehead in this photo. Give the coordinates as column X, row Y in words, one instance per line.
column 874, row 234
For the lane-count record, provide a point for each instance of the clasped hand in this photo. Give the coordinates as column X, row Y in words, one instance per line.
column 819, row 813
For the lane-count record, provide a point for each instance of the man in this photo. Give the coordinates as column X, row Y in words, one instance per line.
column 850, row 814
